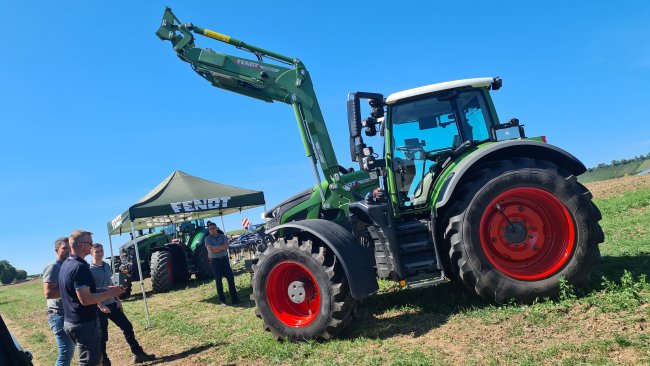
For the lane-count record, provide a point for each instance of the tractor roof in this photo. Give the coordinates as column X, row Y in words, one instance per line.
column 476, row 82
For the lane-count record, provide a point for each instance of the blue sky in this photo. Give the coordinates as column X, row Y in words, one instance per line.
column 96, row 111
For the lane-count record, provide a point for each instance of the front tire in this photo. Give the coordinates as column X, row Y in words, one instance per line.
column 518, row 226
column 162, row 271
column 301, row 291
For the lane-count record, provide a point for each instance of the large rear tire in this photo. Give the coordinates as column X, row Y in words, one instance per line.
column 162, row 271
column 517, row 226
column 202, row 263
column 301, row 291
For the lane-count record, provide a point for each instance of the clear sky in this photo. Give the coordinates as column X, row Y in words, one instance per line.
column 96, row 110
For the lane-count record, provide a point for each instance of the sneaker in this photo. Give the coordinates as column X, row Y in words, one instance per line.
column 141, row 357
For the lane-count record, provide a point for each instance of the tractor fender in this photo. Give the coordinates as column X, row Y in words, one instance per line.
column 508, row 149
column 358, row 268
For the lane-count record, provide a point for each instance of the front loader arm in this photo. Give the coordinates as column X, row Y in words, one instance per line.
column 290, row 84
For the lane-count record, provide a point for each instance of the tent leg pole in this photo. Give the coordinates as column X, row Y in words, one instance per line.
column 137, row 258
column 110, row 243
column 224, row 233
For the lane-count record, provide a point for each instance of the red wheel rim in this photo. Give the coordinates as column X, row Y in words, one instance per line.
column 527, row 233
column 294, row 314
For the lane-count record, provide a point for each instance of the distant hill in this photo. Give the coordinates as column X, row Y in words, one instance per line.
column 617, row 169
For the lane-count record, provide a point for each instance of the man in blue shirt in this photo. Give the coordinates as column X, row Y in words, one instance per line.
column 80, row 298
column 217, row 246
column 54, row 305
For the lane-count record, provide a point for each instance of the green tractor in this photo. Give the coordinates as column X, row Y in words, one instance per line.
column 169, row 257
column 449, row 194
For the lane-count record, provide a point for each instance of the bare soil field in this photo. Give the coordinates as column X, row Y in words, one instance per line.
column 618, row 186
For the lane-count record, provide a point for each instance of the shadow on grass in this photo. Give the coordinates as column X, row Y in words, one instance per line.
column 186, row 353
column 613, row 267
column 136, row 294
column 244, row 303
column 415, row 312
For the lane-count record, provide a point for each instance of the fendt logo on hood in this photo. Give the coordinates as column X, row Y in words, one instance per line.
column 200, row 205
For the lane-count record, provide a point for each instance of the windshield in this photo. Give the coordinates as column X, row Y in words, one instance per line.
column 425, row 130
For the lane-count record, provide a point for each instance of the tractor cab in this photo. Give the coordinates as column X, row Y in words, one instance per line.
column 427, row 127
column 424, row 129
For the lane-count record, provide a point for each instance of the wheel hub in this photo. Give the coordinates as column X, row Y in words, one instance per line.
column 527, row 233
column 515, row 233
column 296, row 292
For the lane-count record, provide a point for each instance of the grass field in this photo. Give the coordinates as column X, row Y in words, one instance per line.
column 605, row 323
column 611, row 171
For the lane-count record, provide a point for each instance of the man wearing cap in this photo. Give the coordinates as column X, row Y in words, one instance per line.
column 54, row 305
column 80, row 298
column 217, row 246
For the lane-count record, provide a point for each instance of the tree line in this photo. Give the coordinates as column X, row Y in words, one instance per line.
column 9, row 273
column 620, row 162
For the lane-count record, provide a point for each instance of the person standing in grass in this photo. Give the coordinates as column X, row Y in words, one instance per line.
column 217, row 246
column 112, row 309
column 80, row 298
column 54, row 305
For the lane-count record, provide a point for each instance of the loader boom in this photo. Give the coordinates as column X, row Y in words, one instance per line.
column 289, row 83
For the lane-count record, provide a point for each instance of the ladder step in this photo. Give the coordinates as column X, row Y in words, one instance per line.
column 422, row 264
column 425, row 280
column 415, row 246
column 411, row 227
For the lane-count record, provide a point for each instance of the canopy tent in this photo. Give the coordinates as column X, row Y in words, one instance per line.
column 179, row 198
column 183, row 197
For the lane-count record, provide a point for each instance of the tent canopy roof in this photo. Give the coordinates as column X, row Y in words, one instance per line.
column 183, row 197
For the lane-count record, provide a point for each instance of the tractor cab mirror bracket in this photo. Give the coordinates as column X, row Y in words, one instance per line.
column 507, row 131
column 354, row 121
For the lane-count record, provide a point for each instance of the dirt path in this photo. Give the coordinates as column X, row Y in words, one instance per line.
column 618, row 186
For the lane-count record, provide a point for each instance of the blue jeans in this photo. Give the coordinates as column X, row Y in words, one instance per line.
column 63, row 342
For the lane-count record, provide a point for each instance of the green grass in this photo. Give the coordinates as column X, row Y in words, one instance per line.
column 644, row 166
column 604, row 323
column 611, row 171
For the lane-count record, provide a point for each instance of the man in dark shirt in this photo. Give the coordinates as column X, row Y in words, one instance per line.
column 80, row 299
column 217, row 246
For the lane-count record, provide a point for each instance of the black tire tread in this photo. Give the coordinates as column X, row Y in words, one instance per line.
column 161, row 278
column 342, row 304
column 202, row 263
column 485, row 284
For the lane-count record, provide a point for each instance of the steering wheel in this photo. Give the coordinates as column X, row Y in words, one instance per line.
column 409, row 151
column 433, row 154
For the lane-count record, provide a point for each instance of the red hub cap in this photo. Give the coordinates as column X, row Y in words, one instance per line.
column 293, row 294
column 527, row 233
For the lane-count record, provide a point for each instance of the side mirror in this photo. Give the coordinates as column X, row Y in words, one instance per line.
column 354, row 118
column 354, row 115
